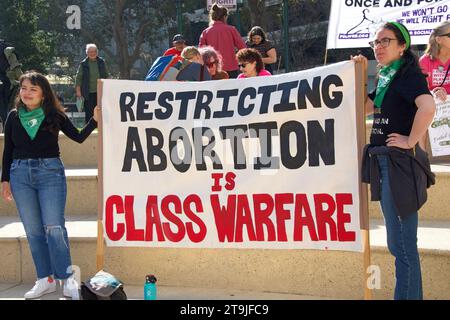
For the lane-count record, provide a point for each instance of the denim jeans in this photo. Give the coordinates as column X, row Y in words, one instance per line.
column 401, row 241
column 39, row 190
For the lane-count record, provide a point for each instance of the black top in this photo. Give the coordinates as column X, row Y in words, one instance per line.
column 398, row 108
column 18, row 145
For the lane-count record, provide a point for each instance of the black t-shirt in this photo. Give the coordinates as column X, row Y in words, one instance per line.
column 18, row 144
column 398, row 109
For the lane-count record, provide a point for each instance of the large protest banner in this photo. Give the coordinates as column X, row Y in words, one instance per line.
column 353, row 23
column 266, row 162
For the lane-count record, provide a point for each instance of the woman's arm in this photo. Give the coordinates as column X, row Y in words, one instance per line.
column 426, row 109
column 272, row 56
column 80, row 135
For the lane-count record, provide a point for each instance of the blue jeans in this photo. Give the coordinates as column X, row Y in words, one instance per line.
column 401, row 241
column 39, row 190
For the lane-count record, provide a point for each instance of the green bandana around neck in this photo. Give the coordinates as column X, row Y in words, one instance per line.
column 31, row 120
column 385, row 76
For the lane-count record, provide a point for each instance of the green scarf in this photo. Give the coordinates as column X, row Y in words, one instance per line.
column 385, row 76
column 31, row 120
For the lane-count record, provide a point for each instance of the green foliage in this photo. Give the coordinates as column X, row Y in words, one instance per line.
column 21, row 26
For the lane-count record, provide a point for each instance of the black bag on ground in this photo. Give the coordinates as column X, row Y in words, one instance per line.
column 102, row 286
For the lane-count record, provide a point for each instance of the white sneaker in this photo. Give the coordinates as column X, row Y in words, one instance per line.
column 41, row 287
column 70, row 288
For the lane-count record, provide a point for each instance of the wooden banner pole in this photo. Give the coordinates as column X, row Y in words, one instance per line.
column 326, row 57
column 361, row 93
column 100, row 238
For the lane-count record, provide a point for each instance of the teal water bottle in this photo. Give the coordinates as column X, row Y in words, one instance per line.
column 150, row 287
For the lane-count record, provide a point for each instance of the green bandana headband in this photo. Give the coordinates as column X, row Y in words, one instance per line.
column 404, row 32
column 32, row 120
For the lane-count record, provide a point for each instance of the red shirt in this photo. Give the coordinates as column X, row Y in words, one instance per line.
column 225, row 39
column 172, row 52
column 435, row 70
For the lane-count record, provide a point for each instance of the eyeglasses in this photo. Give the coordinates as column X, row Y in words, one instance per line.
column 385, row 42
column 445, row 35
column 242, row 65
column 211, row 64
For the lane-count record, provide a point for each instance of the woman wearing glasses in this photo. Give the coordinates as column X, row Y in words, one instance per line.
column 251, row 64
column 213, row 61
column 436, row 61
column 394, row 162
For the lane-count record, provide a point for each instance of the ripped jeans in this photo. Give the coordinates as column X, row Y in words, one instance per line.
column 39, row 190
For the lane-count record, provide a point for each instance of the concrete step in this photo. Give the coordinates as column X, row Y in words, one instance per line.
column 16, row 291
column 332, row 274
column 82, row 196
column 73, row 154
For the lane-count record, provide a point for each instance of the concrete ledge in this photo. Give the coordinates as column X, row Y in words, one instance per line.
column 301, row 272
column 81, row 194
column 73, row 154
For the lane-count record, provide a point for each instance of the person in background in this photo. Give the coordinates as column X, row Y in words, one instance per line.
column 395, row 163
column 250, row 64
column 194, row 70
column 89, row 71
column 33, row 175
column 224, row 38
column 213, row 61
column 257, row 39
column 178, row 45
column 436, row 61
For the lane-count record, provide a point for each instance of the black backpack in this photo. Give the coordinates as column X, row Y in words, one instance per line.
column 102, row 286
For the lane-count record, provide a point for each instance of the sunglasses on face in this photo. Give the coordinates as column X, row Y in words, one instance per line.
column 385, row 42
column 211, row 64
column 445, row 35
column 242, row 65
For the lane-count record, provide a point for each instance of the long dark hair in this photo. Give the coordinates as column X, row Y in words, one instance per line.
column 256, row 31
column 53, row 110
column 411, row 61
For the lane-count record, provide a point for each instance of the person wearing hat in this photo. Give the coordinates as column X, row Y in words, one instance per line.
column 395, row 163
column 178, row 45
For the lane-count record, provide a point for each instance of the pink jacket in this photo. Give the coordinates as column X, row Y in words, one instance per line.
column 225, row 39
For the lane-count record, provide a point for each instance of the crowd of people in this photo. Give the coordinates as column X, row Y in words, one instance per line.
column 402, row 104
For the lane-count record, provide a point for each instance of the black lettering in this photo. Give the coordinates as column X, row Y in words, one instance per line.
column 264, row 132
column 132, row 153
column 313, row 94
column 184, row 97
column 236, row 134
column 284, row 104
column 125, row 107
column 163, row 101
column 155, row 150
column 181, row 165
column 336, row 97
column 202, row 151
column 289, row 161
column 242, row 110
column 142, row 105
column 321, row 143
column 225, row 95
column 266, row 91
column 203, row 105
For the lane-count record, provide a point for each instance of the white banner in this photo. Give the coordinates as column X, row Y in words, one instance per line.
column 266, row 162
column 439, row 131
column 229, row 4
column 353, row 23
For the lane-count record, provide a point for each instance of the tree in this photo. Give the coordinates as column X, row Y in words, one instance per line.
column 20, row 25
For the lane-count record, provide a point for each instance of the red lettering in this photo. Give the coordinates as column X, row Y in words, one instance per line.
column 343, row 199
column 324, row 216
column 229, row 178
column 133, row 234
column 153, row 219
column 165, row 209
column 216, row 177
column 194, row 237
column 282, row 214
column 262, row 216
column 302, row 205
column 224, row 217
column 111, row 202
column 244, row 217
